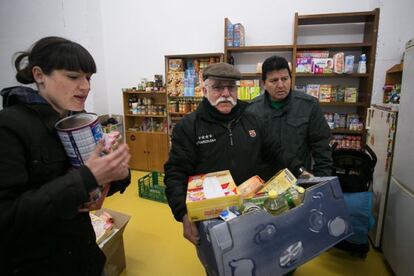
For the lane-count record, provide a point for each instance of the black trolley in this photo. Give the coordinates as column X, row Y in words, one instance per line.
column 355, row 170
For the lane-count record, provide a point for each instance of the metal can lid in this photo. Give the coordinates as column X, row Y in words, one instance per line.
column 77, row 121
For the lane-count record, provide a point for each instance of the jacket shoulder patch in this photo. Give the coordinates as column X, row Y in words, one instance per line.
column 252, row 133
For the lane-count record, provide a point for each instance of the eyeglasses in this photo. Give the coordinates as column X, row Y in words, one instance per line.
column 221, row 88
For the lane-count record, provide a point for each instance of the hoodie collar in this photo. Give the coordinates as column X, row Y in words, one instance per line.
column 21, row 94
column 32, row 100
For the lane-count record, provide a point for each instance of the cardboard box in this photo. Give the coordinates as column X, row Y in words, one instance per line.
column 325, row 93
column 175, row 64
column 351, row 95
column 209, row 194
column 261, row 244
column 304, row 65
column 322, row 65
column 313, row 90
column 113, row 246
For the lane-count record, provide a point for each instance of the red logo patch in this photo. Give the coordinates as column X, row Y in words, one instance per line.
column 252, row 133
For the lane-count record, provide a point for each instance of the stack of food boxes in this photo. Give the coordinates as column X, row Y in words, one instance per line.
column 319, row 62
column 175, row 77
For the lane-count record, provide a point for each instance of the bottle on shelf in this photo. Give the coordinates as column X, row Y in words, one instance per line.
column 231, row 60
column 362, row 64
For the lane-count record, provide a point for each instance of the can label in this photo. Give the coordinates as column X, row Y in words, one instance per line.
column 79, row 134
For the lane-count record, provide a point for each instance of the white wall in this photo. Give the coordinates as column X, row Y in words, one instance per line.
column 396, row 27
column 24, row 22
column 130, row 38
column 138, row 34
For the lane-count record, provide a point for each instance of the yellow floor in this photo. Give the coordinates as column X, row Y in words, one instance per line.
column 154, row 244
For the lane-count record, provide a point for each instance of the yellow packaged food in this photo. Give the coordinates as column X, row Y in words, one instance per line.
column 209, row 194
column 280, row 182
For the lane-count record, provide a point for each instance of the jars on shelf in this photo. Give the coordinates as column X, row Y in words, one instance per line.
column 184, row 105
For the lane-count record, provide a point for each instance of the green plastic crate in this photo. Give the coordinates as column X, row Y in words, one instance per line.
column 151, row 186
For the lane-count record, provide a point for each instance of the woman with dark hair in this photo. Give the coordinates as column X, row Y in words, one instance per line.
column 42, row 230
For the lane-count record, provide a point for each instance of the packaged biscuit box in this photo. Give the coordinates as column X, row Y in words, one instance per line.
column 175, row 64
column 325, row 93
column 175, row 83
column 351, row 95
column 339, row 63
column 322, row 65
column 304, row 65
column 209, row 194
column 313, row 90
column 251, row 186
column 280, row 182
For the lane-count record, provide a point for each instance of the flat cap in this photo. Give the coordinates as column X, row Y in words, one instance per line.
column 221, row 71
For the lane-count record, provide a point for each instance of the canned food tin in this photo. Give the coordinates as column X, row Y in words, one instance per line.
column 79, row 134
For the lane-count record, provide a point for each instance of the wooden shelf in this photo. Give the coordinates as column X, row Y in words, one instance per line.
column 367, row 26
column 144, row 92
column 251, row 75
column 146, row 116
column 178, row 113
column 139, row 131
column 344, row 104
column 337, row 18
column 195, row 56
column 393, row 76
column 397, row 68
column 149, row 149
column 176, row 118
column 333, row 46
column 255, row 49
column 353, row 75
column 184, row 97
column 347, row 131
column 211, row 57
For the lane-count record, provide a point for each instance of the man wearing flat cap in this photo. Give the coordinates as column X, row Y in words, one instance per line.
column 218, row 136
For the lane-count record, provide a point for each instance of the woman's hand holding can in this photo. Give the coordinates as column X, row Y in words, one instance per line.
column 110, row 167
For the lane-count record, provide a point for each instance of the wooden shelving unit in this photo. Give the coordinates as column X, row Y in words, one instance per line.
column 258, row 49
column 230, row 52
column 181, row 105
column 353, row 75
column 146, row 116
column 334, row 46
column 393, row 76
column 347, row 131
column 366, row 45
column 345, row 104
column 338, row 18
column 148, row 146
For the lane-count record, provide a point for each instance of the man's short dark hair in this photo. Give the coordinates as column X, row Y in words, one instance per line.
column 274, row 63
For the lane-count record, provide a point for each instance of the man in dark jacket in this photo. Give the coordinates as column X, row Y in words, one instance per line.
column 294, row 119
column 219, row 135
